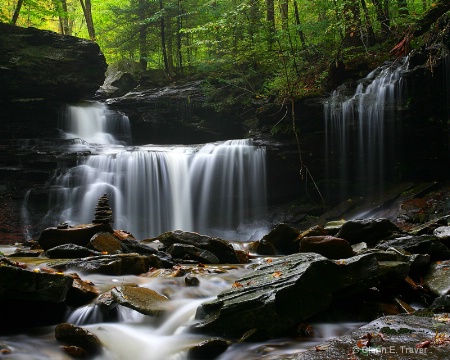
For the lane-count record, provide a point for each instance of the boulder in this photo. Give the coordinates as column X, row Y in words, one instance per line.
column 329, row 246
column 78, row 235
column 368, row 230
column 38, row 64
column 106, row 243
column 222, row 249
column 78, row 336
column 437, row 279
column 82, row 292
column 183, row 252
column 281, row 240
column 208, row 350
column 69, row 251
column 119, row 264
column 282, row 293
column 405, row 336
column 143, row 300
column 130, row 245
column 423, row 244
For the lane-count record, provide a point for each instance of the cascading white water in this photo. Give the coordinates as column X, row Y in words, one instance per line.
column 157, row 189
column 361, row 130
column 94, row 123
column 210, row 189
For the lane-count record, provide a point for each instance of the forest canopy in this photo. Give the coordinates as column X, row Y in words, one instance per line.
column 287, row 47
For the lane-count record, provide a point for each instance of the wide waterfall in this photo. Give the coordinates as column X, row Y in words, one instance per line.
column 209, row 188
column 362, row 132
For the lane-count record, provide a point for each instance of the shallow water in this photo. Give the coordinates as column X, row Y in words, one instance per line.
column 136, row 336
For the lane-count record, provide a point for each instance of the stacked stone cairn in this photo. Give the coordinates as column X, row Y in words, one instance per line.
column 103, row 212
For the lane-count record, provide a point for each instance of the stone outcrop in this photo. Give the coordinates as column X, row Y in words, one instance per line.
column 262, row 301
column 37, row 64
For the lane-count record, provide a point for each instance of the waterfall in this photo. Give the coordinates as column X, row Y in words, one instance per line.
column 362, row 132
column 94, row 123
column 210, row 189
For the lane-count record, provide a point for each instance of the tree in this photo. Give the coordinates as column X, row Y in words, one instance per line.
column 87, row 11
column 16, row 12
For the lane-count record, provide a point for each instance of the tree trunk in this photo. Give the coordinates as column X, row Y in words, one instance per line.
column 270, row 19
column 299, row 29
column 87, row 11
column 434, row 13
column 143, row 48
column 284, row 12
column 163, row 39
column 63, row 20
column 179, row 27
column 16, row 12
column 370, row 34
column 382, row 17
column 352, row 20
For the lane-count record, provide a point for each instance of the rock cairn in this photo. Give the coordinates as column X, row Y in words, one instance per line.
column 103, row 212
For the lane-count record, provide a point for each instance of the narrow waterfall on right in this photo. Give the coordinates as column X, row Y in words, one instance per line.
column 363, row 131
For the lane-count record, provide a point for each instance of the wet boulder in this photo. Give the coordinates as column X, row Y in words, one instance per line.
column 437, row 279
column 329, row 246
column 405, row 336
column 130, row 245
column 106, row 243
column 208, row 350
column 222, row 249
column 119, row 264
column 82, row 292
column 423, row 244
column 143, row 300
column 281, row 240
column 282, row 293
column 78, row 235
column 77, row 336
column 368, row 230
column 184, row 252
column 69, row 251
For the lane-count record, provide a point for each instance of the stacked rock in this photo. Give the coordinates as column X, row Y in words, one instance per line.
column 103, row 213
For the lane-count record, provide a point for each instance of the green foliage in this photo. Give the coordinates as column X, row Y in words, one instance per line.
column 233, row 43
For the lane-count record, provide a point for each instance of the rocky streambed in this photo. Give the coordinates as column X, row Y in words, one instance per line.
column 388, row 272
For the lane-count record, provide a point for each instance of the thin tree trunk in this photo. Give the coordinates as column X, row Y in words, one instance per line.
column 370, row 32
column 64, row 20
column 270, row 19
column 284, row 12
column 299, row 29
column 143, row 48
column 87, row 11
column 382, row 17
column 163, row 39
column 179, row 27
column 16, row 12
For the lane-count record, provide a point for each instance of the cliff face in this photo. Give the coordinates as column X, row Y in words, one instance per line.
column 36, row 64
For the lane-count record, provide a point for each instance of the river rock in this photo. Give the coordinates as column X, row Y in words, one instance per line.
column 442, row 233
column 143, row 300
column 368, row 230
column 405, row 336
column 78, row 336
column 281, row 240
column 208, row 350
column 119, row 264
column 184, row 252
column 130, row 245
column 423, row 244
column 106, row 243
column 46, row 65
column 437, row 279
column 69, row 251
column 283, row 293
column 78, row 235
column 222, row 249
column 82, row 292
column 329, row 246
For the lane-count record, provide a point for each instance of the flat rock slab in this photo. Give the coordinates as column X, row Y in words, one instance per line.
column 283, row 292
column 407, row 337
column 143, row 300
column 438, row 278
